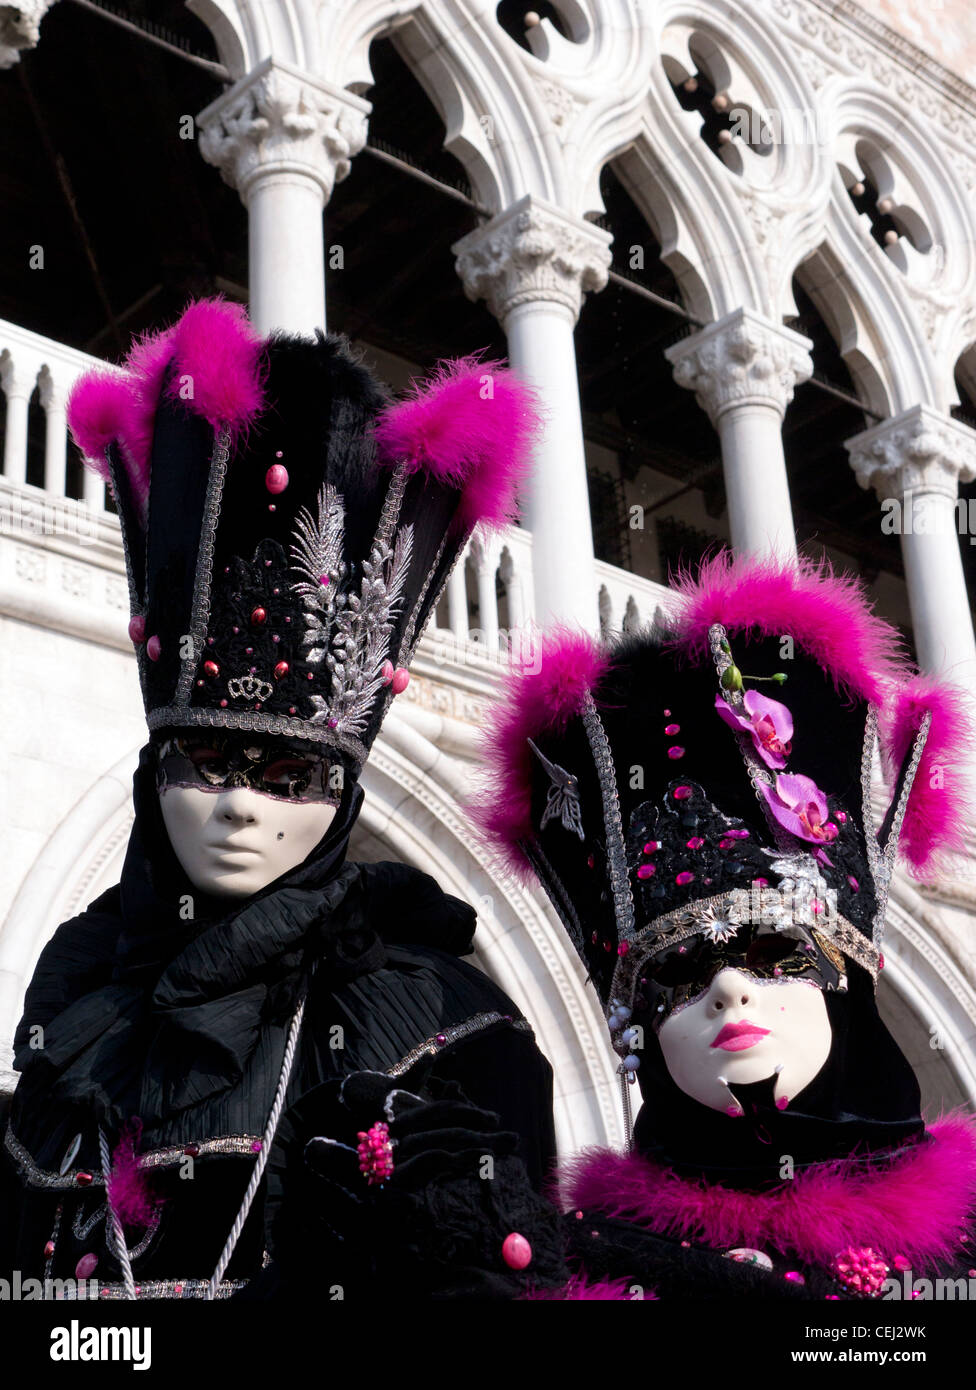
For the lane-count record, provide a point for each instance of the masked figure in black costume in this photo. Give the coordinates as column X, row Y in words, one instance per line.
column 697, row 804
column 250, row 1049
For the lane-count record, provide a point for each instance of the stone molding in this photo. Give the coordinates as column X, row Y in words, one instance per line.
column 741, row 360
column 919, row 451
column 280, row 120
column 530, row 252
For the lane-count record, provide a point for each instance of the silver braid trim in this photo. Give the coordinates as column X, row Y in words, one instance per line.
column 203, row 578
column 623, row 900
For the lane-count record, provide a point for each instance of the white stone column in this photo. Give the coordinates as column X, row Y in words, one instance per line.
column 743, row 370
column 915, row 462
column 18, row 381
column 283, row 139
column 484, row 569
column 457, row 600
column 55, row 433
column 533, row 263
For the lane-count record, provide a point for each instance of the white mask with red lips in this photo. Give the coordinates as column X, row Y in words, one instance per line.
column 743, row 1029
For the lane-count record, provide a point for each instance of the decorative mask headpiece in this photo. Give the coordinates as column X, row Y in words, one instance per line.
column 287, row 530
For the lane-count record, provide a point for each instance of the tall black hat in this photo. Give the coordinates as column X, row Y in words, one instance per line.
column 288, row 529
column 689, row 795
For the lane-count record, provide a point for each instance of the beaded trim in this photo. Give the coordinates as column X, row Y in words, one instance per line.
column 173, row 1288
column 184, row 716
column 683, row 922
column 456, row 1032
column 203, row 578
column 894, row 833
column 156, row 1158
column 136, row 608
column 408, row 645
column 623, row 898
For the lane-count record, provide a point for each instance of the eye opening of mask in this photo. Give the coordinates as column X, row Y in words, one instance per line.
column 279, row 767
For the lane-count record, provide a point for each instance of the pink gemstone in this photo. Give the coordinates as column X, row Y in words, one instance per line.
column 323, row 579
column 734, row 1111
column 880, row 962
column 623, row 948
column 223, row 704
column 236, row 629
column 676, row 752
column 726, row 843
column 276, row 478
column 86, row 1266
column 684, row 877
column 666, row 713
column 272, row 507
column 794, row 1276
column 782, row 1102
column 739, row 834
column 901, row 1264
column 153, row 648
column 279, row 453
column 281, row 670
column 256, row 1146
column 777, row 971
column 441, row 1039
column 672, row 729
column 386, row 672
column 761, row 882
column 291, row 709
column 651, row 846
column 400, row 681
column 137, row 628
column 853, row 882
column 681, row 793
column 695, row 842
column 645, row 871
column 516, row 1251
column 841, row 816
column 310, row 676
column 49, row 1249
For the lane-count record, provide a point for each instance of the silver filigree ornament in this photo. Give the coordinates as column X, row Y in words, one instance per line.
column 562, row 798
column 351, row 632
column 250, row 687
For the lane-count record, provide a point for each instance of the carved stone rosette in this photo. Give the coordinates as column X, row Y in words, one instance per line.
column 920, row 451
column 279, row 119
column 742, row 359
column 533, row 251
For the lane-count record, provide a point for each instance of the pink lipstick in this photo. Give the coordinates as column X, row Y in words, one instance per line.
column 736, row 1037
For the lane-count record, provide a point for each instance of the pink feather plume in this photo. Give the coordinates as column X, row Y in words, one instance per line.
column 940, row 805
column 471, row 426
column 126, row 1187
column 218, row 373
column 529, row 704
column 825, row 613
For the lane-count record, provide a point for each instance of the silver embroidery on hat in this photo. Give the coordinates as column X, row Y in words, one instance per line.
column 562, row 798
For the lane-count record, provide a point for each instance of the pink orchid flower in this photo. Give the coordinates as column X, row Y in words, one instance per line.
column 769, row 723
column 800, row 807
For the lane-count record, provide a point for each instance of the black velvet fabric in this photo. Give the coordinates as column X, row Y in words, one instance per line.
column 183, row 1025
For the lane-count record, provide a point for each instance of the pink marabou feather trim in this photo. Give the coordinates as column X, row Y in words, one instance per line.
column 825, row 613
column 915, row 1207
column 471, row 426
column 530, row 703
column 126, row 1187
column 940, row 805
column 218, row 372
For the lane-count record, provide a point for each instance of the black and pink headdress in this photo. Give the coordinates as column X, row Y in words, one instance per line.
column 287, row 528
column 676, row 785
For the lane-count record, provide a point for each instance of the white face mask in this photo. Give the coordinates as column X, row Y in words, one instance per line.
column 234, row 842
column 789, row 1037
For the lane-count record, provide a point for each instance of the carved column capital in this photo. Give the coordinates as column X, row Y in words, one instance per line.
column 279, row 119
column 742, row 359
column 919, row 451
column 20, row 28
column 533, row 252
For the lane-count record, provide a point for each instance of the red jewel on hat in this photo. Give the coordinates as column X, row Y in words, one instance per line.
column 211, row 669
column 386, row 672
column 258, row 616
column 681, row 793
column 676, row 752
column 272, row 507
column 623, row 948
column 199, row 682
column 672, row 729
column 191, row 1150
column 49, row 1249
column 223, row 704
column 137, row 628
column 249, row 651
column 310, row 676
column 516, row 1251
column 276, row 478
column 400, row 681
column 281, row 670
column 684, row 877
column 153, row 648
column 695, row 842
column 86, row 1265
column 645, row 871
column 291, row 709
column 83, row 1179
